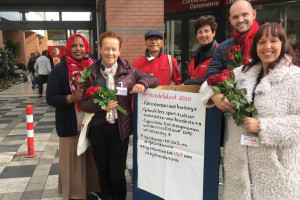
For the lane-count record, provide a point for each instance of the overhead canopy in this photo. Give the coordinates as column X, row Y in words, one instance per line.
column 25, row 6
column 48, row 5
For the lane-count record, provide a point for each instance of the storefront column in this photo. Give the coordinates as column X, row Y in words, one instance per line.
column 132, row 19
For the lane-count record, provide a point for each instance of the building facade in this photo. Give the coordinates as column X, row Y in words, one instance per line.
column 179, row 17
column 133, row 18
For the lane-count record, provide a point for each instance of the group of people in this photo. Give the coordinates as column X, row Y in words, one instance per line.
column 40, row 67
column 270, row 73
column 271, row 76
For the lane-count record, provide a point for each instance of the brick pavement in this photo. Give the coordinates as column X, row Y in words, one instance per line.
column 31, row 178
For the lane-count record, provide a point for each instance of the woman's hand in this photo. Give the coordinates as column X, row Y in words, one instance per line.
column 224, row 104
column 111, row 105
column 251, row 125
column 76, row 96
column 138, row 88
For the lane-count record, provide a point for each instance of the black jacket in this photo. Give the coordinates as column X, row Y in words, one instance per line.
column 58, row 88
column 219, row 60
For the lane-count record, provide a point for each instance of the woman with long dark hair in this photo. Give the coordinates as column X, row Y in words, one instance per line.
column 271, row 169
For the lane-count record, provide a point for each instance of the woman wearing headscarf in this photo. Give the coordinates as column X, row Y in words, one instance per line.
column 77, row 174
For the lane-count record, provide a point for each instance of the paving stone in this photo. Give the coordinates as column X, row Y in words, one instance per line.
column 51, row 182
column 45, row 161
column 10, row 196
column 38, row 179
column 9, row 148
column 5, row 121
column 30, row 161
column 5, row 158
column 54, row 169
column 32, row 195
column 10, row 116
column 41, row 172
column 35, row 186
column 49, row 194
column 43, row 130
column 5, row 110
column 17, row 171
column 13, row 185
column 57, row 154
column 20, row 131
column 14, row 138
column 46, row 123
column 3, row 125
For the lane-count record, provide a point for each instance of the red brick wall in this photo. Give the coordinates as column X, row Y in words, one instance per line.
column 132, row 19
column 32, row 44
column 16, row 36
column 1, row 40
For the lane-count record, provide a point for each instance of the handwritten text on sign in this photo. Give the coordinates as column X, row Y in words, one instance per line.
column 171, row 144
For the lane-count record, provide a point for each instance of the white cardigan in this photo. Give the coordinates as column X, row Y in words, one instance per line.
column 270, row 171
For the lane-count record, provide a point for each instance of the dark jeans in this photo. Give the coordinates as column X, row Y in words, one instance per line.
column 42, row 79
column 110, row 153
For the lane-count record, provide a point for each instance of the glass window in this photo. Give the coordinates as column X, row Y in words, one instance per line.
column 193, row 42
column 293, row 26
column 76, row 16
column 10, row 16
column 42, row 16
column 173, row 40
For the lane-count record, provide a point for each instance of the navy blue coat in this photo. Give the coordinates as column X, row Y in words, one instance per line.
column 58, row 88
column 219, row 60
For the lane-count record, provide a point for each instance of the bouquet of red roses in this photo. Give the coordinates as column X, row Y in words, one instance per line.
column 84, row 75
column 102, row 96
column 224, row 83
column 234, row 54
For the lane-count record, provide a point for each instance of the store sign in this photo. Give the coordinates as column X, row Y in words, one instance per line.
column 57, row 35
column 172, row 6
column 229, row 2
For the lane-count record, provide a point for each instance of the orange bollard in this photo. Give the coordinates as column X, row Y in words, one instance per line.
column 30, row 132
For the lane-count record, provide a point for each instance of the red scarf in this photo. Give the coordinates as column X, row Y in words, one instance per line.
column 75, row 66
column 245, row 41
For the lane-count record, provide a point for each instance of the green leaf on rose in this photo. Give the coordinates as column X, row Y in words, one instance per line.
column 216, row 89
column 230, row 67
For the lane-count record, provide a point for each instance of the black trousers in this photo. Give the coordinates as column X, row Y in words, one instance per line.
column 42, row 79
column 110, row 153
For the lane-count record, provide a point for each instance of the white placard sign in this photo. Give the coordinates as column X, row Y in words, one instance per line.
column 170, row 148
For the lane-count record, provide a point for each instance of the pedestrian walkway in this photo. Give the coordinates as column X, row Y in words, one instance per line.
column 31, row 178
column 34, row 178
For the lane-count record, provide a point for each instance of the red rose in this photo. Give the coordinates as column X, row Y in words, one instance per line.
column 230, row 57
column 76, row 76
column 227, row 72
column 209, row 81
column 235, row 48
column 222, row 78
column 91, row 90
column 217, row 78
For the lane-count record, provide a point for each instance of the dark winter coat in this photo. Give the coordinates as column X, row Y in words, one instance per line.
column 219, row 60
column 129, row 76
column 58, row 88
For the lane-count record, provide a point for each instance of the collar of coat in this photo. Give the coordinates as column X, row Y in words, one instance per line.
column 123, row 66
column 248, row 80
